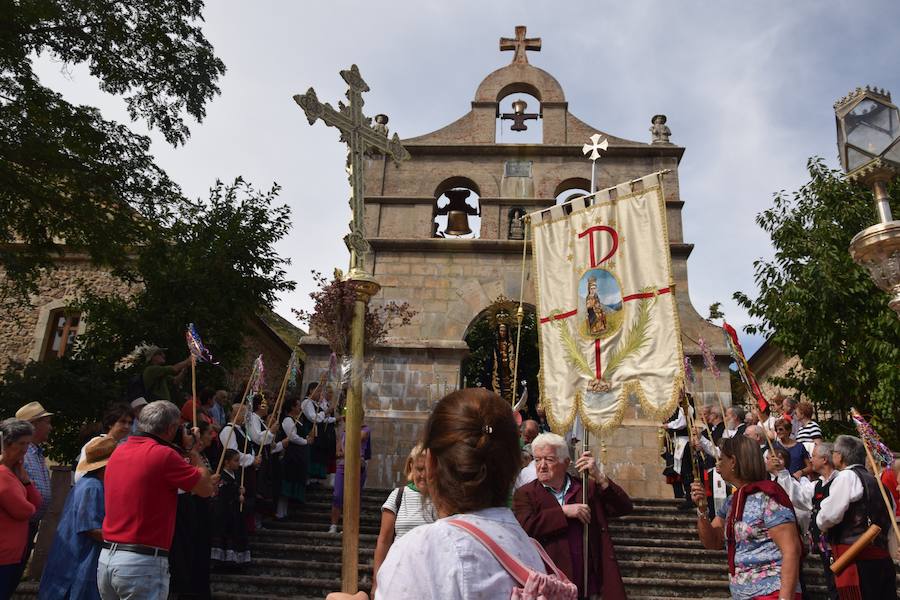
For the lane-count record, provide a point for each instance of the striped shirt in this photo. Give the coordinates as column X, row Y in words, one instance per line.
column 809, row 432
column 36, row 467
column 415, row 510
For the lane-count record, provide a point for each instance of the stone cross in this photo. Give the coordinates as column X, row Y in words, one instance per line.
column 519, row 45
column 360, row 136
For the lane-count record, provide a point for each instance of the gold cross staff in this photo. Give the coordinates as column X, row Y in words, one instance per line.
column 359, row 135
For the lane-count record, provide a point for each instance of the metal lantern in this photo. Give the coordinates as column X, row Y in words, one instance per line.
column 868, row 130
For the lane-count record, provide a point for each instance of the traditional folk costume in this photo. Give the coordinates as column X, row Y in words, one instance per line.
column 189, row 556
column 236, row 442
column 539, row 511
column 678, row 472
column 295, row 463
column 268, row 474
column 229, row 533
column 853, row 503
column 323, row 450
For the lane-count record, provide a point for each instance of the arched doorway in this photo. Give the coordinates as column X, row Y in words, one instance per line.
column 492, row 337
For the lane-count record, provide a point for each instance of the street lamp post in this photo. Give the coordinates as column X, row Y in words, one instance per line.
column 868, row 130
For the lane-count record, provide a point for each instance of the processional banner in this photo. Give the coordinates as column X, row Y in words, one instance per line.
column 607, row 318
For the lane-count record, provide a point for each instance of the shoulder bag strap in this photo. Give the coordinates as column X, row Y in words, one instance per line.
column 549, row 561
column 399, row 500
column 517, row 570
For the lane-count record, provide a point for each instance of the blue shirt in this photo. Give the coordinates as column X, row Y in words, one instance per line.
column 757, row 559
column 71, row 570
column 217, row 413
column 36, row 467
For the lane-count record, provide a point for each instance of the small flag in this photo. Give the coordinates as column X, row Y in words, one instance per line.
column 743, row 368
column 196, row 347
column 881, row 453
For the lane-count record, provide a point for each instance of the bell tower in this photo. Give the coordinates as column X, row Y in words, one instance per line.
column 461, row 178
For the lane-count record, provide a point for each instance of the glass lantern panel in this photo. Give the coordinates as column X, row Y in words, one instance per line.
column 871, row 126
column 893, row 154
column 856, row 159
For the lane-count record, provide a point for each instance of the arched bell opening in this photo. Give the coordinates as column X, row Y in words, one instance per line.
column 519, row 118
column 570, row 189
column 492, row 337
column 457, row 211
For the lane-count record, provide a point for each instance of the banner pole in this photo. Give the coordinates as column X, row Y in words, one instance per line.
column 585, row 541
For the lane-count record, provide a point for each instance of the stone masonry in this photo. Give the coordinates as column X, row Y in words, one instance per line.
column 451, row 281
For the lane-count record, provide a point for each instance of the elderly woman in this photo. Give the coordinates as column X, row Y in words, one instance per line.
column 799, row 464
column 756, row 524
column 71, row 570
column 471, row 458
column 405, row 508
column 19, row 499
column 552, row 510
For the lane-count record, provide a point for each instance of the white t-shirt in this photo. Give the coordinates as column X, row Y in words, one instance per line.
column 442, row 562
column 526, row 475
column 415, row 510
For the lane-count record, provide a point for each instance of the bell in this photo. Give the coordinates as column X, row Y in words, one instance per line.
column 457, row 211
column 457, row 223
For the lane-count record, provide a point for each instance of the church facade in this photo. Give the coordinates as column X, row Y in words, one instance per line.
column 452, row 280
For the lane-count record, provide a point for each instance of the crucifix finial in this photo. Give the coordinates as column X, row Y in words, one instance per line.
column 519, row 45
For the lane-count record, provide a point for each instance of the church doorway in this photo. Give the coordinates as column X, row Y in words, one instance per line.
column 492, row 337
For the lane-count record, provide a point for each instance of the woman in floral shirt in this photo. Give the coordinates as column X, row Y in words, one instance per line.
column 757, row 525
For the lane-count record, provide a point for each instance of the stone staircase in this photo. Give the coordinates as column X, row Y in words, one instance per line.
column 296, row 559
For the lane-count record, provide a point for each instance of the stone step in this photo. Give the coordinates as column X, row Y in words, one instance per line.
column 283, row 587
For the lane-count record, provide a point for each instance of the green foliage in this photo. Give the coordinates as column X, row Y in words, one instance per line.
column 815, row 303
column 67, row 174
column 216, row 266
column 477, row 367
column 715, row 312
column 77, row 391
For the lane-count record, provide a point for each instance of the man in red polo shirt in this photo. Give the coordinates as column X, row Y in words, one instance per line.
column 141, row 484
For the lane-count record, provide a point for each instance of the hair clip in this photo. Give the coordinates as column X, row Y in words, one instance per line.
column 487, row 429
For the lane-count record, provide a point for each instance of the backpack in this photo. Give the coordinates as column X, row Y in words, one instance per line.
column 535, row 586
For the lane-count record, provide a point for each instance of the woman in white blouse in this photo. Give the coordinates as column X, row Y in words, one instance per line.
column 471, row 459
column 296, row 458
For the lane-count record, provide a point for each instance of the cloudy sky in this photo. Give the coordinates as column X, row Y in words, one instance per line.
column 748, row 88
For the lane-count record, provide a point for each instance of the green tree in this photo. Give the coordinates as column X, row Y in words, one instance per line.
column 815, row 303
column 215, row 266
column 67, row 174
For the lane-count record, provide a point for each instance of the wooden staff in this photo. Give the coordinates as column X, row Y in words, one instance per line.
column 194, row 384
column 884, row 496
column 766, row 435
column 279, row 401
column 585, row 538
column 692, row 433
column 719, row 398
column 244, row 469
column 231, row 431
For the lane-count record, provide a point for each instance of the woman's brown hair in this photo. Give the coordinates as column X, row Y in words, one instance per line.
column 473, row 441
column 748, row 461
column 805, row 409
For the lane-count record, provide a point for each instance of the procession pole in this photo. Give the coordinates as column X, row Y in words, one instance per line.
column 585, row 539
column 194, row 385
column 279, row 401
column 233, row 425
column 876, row 471
column 365, row 287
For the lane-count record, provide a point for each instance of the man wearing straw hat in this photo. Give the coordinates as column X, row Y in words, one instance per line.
column 36, row 467
column 71, row 570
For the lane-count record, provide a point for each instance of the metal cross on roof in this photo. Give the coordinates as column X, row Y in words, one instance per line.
column 359, row 135
column 520, row 44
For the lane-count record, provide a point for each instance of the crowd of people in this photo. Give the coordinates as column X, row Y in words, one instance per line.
column 157, row 503
column 499, row 504
column 785, row 492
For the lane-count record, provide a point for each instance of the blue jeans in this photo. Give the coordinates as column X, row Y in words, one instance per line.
column 123, row 575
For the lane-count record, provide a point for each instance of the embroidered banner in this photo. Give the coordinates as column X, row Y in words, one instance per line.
column 608, row 322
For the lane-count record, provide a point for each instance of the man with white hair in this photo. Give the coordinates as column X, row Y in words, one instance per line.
column 853, row 503
column 808, row 495
column 551, row 510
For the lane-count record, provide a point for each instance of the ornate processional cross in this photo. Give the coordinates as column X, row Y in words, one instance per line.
column 359, row 135
column 519, row 45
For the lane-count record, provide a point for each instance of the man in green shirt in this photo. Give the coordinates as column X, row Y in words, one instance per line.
column 158, row 376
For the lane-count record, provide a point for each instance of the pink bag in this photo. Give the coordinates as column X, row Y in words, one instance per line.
column 535, row 586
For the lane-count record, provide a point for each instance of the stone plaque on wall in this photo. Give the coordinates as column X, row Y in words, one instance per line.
column 517, row 168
